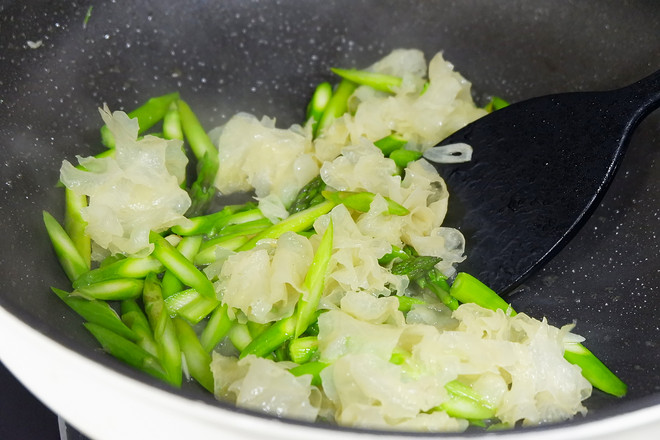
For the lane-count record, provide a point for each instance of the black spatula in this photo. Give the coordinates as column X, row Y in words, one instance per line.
column 538, row 170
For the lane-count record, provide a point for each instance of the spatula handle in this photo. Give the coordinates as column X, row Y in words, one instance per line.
column 643, row 97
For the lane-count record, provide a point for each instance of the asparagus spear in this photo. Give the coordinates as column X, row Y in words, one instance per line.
column 305, row 312
column 297, row 222
column 131, row 267
column 126, row 351
column 361, row 201
column 198, row 360
column 390, row 143
column 202, row 190
column 165, row 336
column 96, row 312
column 116, row 289
column 70, row 259
column 180, row 266
column 308, row 196
column 337, row 105
column 133, row 316
column 378, row 81
column 217, row 327
column 318, row 104
column 74, row 225
column 172, row 123
column 313, row 368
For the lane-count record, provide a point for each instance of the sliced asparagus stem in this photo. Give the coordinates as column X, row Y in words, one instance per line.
column 217, row 327
column 116, row 289
column 378, row 81
column 312, row 368
column 197, row 359
column 180, row 266
column 336, row 106
column 308, row 196
column 361, row 201
column 273, row 337
column 127, row 351
column 165, row 336
column 318, row 103
column 301, row 350
column 133, row 316
column 403, row 157
column 172, row 123
column 202, row 190
column 305, row 312
column 74, row 225
column 466, row 403
column 390, row 143
column 96, row 312
column 240, row 336
column 65, row 249
column 147, row 115
column 124, row 268
column 297, row 222
column 189, row 247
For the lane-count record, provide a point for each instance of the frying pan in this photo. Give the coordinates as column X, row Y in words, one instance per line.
column 264, row 57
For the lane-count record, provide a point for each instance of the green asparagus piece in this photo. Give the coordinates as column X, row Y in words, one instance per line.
column 465, row 403
column 403, row 157
column 126, row 351
column 165, row 336
column 415, row 267
column 96, row 312
column 318, row 103
column 301, row 350
column 65, row 249
column 202, row 190
column 337, row 105
column 406, row 303
column 147, row 115
column 116, row 289
column 273, row 337
column 172, row 123
column 594, row 370
column 436, row 282
column 180, row 266
column 390, row 143
column 313, row 368
column 240, row 336
column 216, row 328
column 495, row 103
column 208, row 254
column 308, row 196
column 396, row 254
column 133, row 316
column 189, row 247
column 198, row 360
column 378, row 81
column 297, row 222
column 361, row 201
column 125, row 268
column 74, row 225
column 196, row 308
column 468, row 289
column 314, row 283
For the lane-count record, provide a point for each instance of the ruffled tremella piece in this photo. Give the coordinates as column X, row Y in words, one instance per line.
column 131, row 192
column 265, row 283
column 266, row 386
column 255, row 155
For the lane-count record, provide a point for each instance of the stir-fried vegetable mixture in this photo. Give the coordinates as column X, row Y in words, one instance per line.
column 331, row 295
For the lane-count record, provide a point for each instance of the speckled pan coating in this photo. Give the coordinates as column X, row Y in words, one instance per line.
column 265, row 57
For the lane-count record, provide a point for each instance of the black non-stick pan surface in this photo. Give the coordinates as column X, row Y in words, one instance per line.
column 265, row 57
